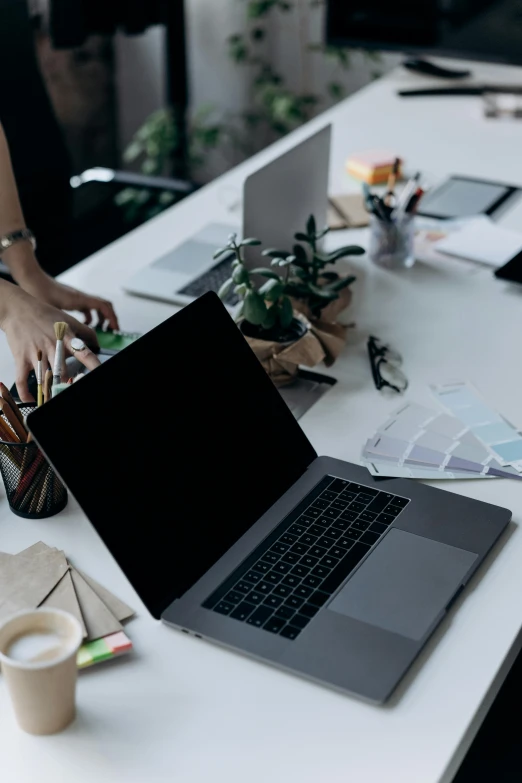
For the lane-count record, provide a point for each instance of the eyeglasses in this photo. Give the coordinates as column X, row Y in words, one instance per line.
column 385, row 364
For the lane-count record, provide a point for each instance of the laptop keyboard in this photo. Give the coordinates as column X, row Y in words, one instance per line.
column 212, row 280
column 295, row 570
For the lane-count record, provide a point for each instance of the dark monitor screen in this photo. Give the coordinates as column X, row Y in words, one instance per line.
column 174, row 448
column 489, row 30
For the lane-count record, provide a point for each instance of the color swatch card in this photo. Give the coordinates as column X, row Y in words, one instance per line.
column 418, row 442
column 483, row 242
column 392, row 470
column 499, row 436
column 412, row 454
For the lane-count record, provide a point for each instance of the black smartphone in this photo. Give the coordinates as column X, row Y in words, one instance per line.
column 511, row 271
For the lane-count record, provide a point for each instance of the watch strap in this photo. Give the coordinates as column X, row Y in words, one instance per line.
column 22, row 235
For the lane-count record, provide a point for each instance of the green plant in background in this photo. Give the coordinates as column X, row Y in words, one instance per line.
column 275, row 105
column 309, row 281
column 265, row 305
column 275, row 109
column 154, row 146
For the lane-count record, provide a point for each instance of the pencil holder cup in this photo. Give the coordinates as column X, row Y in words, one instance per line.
column 391, row 242
column 33, row 489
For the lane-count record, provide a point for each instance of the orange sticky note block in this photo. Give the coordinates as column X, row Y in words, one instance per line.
column 373, row 166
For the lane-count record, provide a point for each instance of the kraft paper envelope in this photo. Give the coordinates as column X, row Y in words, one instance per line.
column 27, row 581
column 64, row 597
column 119, row 608
column 37, row 549
column 347, row 211
column 98, row 619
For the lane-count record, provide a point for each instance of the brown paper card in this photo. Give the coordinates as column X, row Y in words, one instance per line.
column 119, row 608
column 328, row 313
column 347, row 211
column 37, row 549
column 281, row 362
column 332, row 338
column 64, row 597
column 26, row 581
column 98, row 620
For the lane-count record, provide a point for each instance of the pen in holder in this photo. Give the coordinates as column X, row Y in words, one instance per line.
column 33, row 489
column 391, row 241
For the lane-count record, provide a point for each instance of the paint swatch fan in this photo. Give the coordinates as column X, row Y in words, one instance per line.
column 419, row 442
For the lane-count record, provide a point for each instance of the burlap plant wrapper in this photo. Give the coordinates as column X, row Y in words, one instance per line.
column 330, row 334
column 281, row 361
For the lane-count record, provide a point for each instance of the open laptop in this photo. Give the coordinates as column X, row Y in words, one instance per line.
column 277, row 201
column 230, row 527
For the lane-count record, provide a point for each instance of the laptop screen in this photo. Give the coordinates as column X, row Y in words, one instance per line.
column 174, row 448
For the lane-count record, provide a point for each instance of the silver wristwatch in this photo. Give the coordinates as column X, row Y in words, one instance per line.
column 23, row 235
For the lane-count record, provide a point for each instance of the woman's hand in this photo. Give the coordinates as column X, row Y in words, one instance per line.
column 48, row 290
column 29, row 327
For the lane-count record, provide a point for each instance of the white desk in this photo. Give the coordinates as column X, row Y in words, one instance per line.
column 182, row 709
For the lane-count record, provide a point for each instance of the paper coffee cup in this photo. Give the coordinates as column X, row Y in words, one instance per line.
column 38, row 659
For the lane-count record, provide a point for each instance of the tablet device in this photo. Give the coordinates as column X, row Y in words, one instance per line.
column 512, row 271
column 459, row 197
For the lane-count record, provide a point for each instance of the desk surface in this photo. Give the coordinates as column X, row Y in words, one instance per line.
column 180, row 707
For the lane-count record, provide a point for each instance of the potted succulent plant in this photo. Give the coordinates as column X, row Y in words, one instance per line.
column 298, row 299
column 317, row 291
column 280, row 338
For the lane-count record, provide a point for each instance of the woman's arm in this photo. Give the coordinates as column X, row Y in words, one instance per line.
column 29, row 311
column 22, row 261
column 20, row 257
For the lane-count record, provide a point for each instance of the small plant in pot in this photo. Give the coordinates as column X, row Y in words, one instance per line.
column 280, row 338
column 319, row 293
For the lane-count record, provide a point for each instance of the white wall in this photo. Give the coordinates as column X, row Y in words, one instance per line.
column 140, row 79
column 214, row 79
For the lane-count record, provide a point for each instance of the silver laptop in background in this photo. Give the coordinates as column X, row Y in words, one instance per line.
column 277, row 201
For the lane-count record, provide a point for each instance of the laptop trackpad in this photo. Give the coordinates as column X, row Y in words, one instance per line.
column 405, row 584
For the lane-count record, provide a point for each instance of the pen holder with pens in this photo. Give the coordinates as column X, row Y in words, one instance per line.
column 391, row 242
column 33, row 489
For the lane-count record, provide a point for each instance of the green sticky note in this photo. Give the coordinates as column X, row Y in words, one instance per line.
column 99, row 650
column 84, row 657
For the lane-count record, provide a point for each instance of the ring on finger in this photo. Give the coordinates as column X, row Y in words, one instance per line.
column 77, row 345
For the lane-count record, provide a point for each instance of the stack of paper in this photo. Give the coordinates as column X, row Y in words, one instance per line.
column 42, row 576
column 417, row 442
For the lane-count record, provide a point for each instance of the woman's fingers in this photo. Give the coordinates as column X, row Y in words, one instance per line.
column 87, row 314
column 76, row 328
column 23, row 369
column 85, row 355
column 106, row 312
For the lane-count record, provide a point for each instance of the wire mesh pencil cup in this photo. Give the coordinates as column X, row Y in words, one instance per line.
column 391, row 242
column 33, row 489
